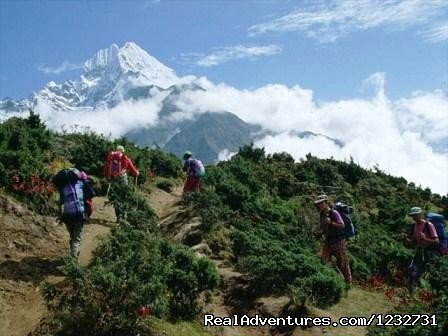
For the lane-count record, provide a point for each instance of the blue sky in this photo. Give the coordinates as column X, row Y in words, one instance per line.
column 330, row 47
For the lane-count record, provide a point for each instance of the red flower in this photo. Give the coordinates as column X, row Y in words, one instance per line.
column 142, row 311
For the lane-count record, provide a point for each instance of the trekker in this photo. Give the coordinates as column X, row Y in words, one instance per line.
column 72, row 212
column 195, row 170
column 332, row 227
column 426, row 240
column 116, row 169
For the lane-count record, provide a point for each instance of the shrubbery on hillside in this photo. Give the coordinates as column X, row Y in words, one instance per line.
column 265, row 204
column 431, row 300
column 31, row 154
column 134, row 267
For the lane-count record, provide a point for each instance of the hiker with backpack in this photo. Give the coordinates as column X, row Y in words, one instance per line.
column 195, row 170
column 332, row 226
column 425, row 238
column 73, row 190
column 116, row 168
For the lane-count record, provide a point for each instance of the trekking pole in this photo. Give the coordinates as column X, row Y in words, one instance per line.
column 108, row 189
column 135, row 185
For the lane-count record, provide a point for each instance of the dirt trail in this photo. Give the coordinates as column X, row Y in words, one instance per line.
column 180, row 225
column 30, row 246
column 177, row 223
column 31, row 257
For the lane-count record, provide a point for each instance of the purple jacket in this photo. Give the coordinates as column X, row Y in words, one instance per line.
column 332, row 233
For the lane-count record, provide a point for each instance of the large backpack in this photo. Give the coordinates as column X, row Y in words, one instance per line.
column 66, row 176
column 439, row 223
column 345, row 211
column 72, row 197
column 198, row 168
column 113, row 164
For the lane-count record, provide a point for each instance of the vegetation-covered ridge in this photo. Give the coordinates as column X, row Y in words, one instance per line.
column 135, row 266
column 257, row 213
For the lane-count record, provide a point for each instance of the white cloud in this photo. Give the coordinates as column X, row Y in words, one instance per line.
column 396, row 135
column 438, row 33
column 329, row 20
column 115, row 121
column 65, row 66
column 225, row 54
column 425, row 112
column 225, row 155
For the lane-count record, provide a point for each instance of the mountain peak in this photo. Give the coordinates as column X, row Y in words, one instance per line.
column 102, row 59
column 132, row 61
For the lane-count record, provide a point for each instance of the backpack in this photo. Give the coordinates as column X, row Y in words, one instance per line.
column 66, row 176
column 88, row 194
column 198, row 168
column 72, row 198
column 345, row 211
column 113, row 164
column 439, row 224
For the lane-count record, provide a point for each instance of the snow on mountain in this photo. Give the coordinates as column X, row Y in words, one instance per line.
column 113, row 71
column 107, row 79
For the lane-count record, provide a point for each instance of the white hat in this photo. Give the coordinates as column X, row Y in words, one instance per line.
column 320, row 199
column 415, row 211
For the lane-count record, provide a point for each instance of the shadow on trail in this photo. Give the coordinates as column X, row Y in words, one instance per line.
column 30, row 269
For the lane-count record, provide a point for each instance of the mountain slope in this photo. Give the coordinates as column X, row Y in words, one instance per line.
column 210, row 134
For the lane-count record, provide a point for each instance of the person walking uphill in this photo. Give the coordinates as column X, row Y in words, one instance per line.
column 195, row 170
column 116, row 169
column 332, row 227
column 425, row 238
column 73, row 191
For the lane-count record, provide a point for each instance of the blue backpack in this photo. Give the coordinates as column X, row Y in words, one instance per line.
column 345, row 211
column 72, row 198
column 198, row 168
column 439, row 223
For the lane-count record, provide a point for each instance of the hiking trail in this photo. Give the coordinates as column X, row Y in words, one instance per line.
column 30, row 247
column 181, row 225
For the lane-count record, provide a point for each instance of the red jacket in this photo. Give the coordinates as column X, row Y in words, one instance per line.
column 126, row 165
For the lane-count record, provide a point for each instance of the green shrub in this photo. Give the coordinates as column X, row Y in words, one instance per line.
column 133, row 267
column 322, row 289
column 165, row 164
column 165, row 184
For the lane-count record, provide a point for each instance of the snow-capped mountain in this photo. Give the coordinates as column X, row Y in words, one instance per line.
column 106, row 80
column 126, row 91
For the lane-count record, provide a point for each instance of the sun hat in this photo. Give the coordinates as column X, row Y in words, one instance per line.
column 321, row 198
column 415, row 211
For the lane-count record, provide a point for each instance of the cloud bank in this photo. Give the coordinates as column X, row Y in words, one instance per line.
column 115, row 121
column 398, row 136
